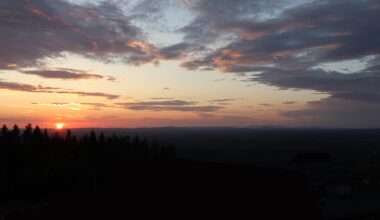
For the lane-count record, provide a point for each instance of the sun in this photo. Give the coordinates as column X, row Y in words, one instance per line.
column 59, row 125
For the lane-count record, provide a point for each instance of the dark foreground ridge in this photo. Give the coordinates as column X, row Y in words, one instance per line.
column 115, row 179
column 182, row 190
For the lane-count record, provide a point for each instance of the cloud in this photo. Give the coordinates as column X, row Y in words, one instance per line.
column 18, row 87
column 265, row 104
column 283, row 49
column 218, row 80
column 41, row 29
column 94, row 94
column 275, row 27
column 289, row 103
column 161, row 98
column 10, row 121
column 333, row 112
column 111, row 78
column 176, row 108
column 222, row 101
column 280, row 43
column 55, row 104
column 169, row 105
column 180, row 50
column 34, row 30
column 159, row 103
column 197, row 120
column 212, row 15
column 302, row 36
column 96, row 105
column 361, row 86
column 13, row 86
column 284, row 46
column 75, row 106
column 72, row 105
column 150, row 11
column 62, row 74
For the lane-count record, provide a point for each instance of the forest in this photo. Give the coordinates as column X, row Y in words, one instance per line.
column 34, row 162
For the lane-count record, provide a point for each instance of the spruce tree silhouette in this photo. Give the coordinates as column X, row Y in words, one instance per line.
column 102, row 139
column 15, row 136
column 33, row 162
column 92, row 138
column 27, row 135
column 5, row 139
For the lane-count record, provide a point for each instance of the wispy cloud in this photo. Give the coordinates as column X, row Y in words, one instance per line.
column 62, row 73
column 289, row 103
column 96, row 105
column 111, row 78
column 222, row 101
column 94, row 94
column 76, row 106
column 19, row 87
column 265, row 104
column 161, row 98
column 333, row 112
column 169, row 105
column 42, row 89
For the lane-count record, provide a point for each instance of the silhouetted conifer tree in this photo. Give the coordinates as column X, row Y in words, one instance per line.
column 92, row 138
column 16, row 136
column 102, row 139
column 27, row 135
column 68, row 137
column 37, row 161
column 4, row 135
column 37, row 137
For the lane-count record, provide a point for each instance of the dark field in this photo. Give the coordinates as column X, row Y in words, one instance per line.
column 233, row 172
column 261, row 146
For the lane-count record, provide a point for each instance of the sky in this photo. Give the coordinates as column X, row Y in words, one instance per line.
column 209, row 63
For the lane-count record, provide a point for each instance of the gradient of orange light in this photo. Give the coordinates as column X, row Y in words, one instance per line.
column 59, row 125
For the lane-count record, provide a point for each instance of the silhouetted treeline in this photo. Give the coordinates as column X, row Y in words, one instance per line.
column 34, row 161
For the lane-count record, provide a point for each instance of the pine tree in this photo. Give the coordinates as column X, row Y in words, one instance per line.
column 92, row 138
column 68, row 137
column 102, row 139
column 15, row 135
column 4, row 135
column 37, row 137
column 27, row 135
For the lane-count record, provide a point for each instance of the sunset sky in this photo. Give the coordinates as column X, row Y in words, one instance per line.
column 147, row 63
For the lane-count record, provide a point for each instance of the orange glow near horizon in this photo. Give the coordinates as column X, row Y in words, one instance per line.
column 59, row 125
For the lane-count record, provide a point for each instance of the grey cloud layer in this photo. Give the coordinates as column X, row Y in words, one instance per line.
column 332, row 112
column 305, row 35
column 280, row 41
column 362, row 86
column 170, row 105
column 62, row 74
column 285, row 47
column 33, row 30
column 42, row 89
